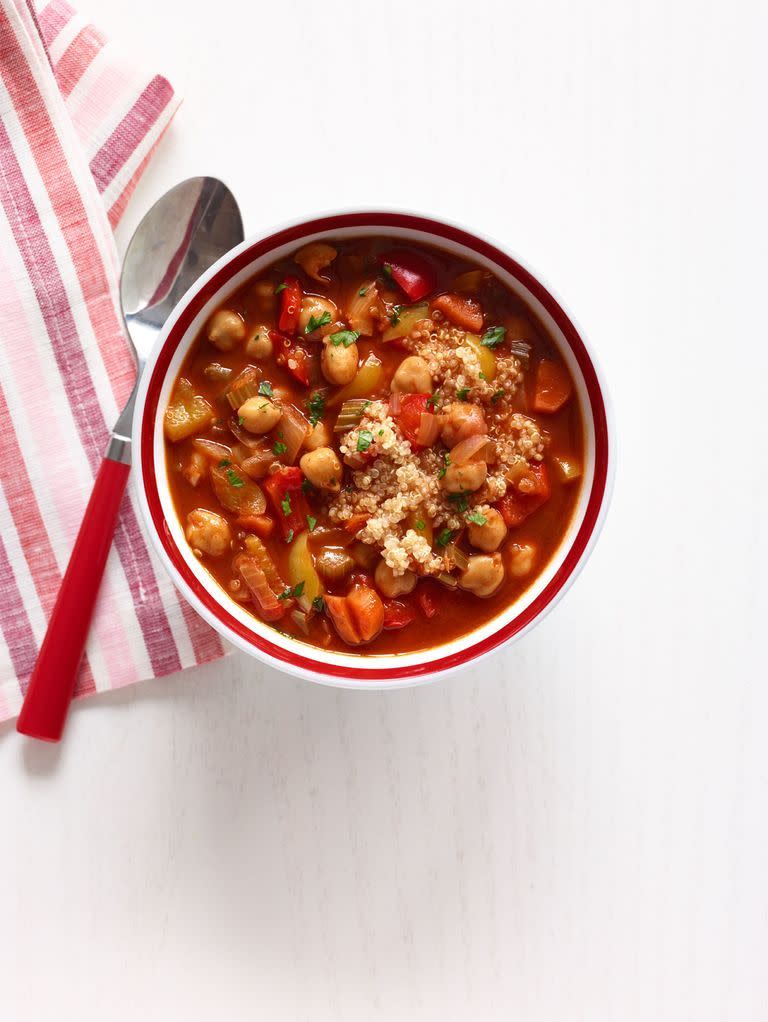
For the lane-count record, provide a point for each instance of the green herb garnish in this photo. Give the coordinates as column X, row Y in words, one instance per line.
column 289, row 536
column 387, row 270
column 306, row 486
column 285, row 504
column 420, row 524
column 280, row 287
column 294, row 593
column 265, row 389
column 477, row 518
column 318, row 604
column 445, row 537
column 497, row 396
column 240, row 420
column 433, row 400
column 279, row 448
column 483, row 376
column 462, row 394
column 224, row 463
column 315, row 322
column 364, row 440
column 394, row 316
column 460, row 500
column 446, row 463
column 311, row 522
column 345, row 337
column 363, row 292
column 493, row 336
column 316, row 407
column 234, row 478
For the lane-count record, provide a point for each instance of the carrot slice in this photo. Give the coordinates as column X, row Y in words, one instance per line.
column 463, row 312
column 262, row 525
column 553, row 387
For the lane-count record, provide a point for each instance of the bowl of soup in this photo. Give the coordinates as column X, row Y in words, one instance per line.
column 372, row 448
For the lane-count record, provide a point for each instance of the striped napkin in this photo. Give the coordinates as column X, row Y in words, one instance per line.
column 78, row 125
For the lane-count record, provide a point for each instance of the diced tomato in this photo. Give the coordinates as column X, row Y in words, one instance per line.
column 290, row 505
column 463, row 312
column 410, row 271
column 426, row 601
column 397, row 614
column 290, row 305
column 409, row 416
column 553, row 387
column 289, row 355
column 355, row 523
column 514, row 507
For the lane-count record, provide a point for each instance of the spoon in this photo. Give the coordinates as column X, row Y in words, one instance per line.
column 181, row 236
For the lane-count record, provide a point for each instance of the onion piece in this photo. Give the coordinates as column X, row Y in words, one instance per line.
column 358, row 309
column 395, row 400
column 212, row 450
column 458, row 557
column 256, row 465
column 301, row 619
column 294, row 432
column 267, row 604
column 522, row 351
column 256, row 548
column 253, row 443
column 235, row 493
column 447, row 579
column 469, row 449
column 429, row 429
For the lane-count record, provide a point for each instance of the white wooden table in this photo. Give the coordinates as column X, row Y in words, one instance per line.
column 576, row 831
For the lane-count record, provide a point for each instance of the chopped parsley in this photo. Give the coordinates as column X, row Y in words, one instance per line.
column 460, row 501
column 363, row 292
column 306, row 486
column 279, row 448
column 280, row 287
column 289, row 536
column 316, row 407
column 318, row 604
column 477, row 518
column 364, row 440
column 445, row 537
column 240, row 420
column 387, row 270
column 394, row 316
column 311, row 522
column 345, row 337
column 462, row 394
column 446, row 463
column 293, row 593
column 265, row 389
column 234, row 479
column 493, row 336
column 497, row 396
column 420, row 524
column 285, row 504
column 381, row 432
column 433, row 400
column 315, row 322
column 224, row 463
column 483, row 376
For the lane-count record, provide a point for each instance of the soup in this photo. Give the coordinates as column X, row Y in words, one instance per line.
column 374, row 447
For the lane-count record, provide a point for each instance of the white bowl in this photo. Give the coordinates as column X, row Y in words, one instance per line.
column 361, row 670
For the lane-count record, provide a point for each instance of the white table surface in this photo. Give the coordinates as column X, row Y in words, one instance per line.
column 577, row 830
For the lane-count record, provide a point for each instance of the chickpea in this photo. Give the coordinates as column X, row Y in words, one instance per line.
column 323, row 468
column 258, row 345
column 483, row 575
column 462, row 420
column 315, row 307
column 319, row 436
column 259, row 415
column 412, row 376
column 226, row 329
column 521, row 559
column 464, row 478
column 315, row 257
column 339, row 363
column 490, row 536
column 390, row 584
column 207, row 532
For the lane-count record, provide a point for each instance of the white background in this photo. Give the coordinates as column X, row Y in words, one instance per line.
column 576, row 830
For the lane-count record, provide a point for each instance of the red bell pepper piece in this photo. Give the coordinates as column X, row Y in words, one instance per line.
column 397, row 615
column 514, row 507
column 410, row 271
column 284, row 490
column 409, row 416
column 291, row 357
column 290, row 306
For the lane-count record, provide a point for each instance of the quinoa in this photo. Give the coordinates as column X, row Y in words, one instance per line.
column 398, row 488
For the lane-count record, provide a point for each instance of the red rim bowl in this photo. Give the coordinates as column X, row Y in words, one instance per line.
column 223, row 613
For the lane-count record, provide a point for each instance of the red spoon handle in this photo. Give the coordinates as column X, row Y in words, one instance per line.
column 53, row 679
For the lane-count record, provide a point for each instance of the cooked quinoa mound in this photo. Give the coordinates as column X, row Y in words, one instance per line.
column 399, row 489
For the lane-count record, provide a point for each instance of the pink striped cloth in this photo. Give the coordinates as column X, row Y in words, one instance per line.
column 77, row 127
